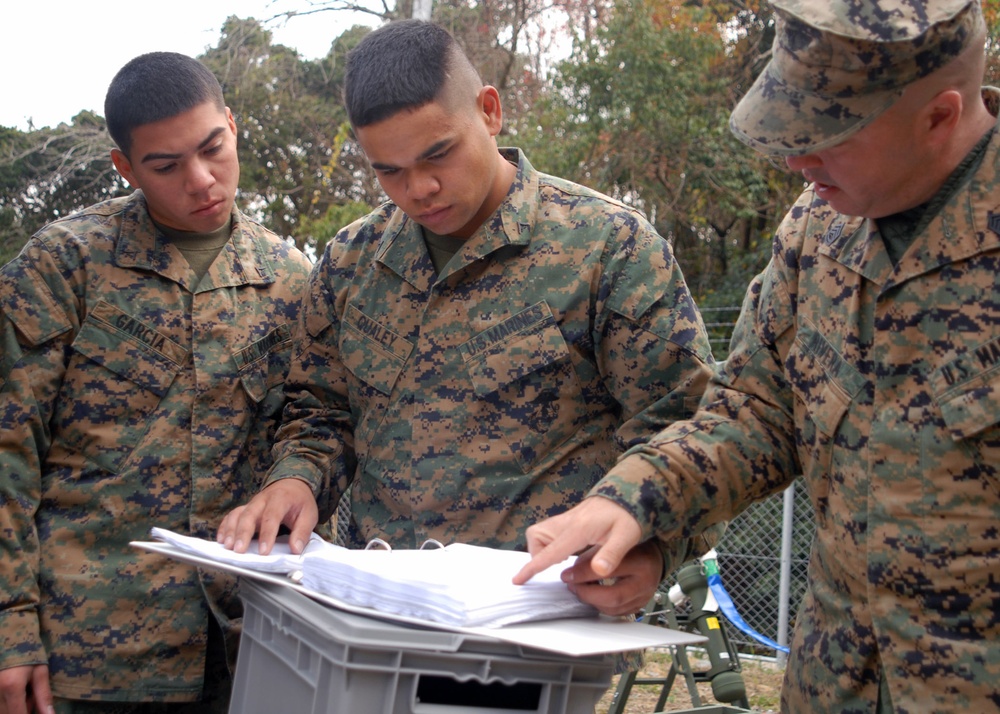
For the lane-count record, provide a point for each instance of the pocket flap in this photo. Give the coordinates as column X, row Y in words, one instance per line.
column 967, row 391
column 523, row 344
column 130, row 348
column 373, row 353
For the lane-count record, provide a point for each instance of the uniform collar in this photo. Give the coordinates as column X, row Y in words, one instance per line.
column 402, row 248
column 242, row 261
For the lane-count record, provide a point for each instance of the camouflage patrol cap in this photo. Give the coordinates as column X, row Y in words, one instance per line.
column 837, row 64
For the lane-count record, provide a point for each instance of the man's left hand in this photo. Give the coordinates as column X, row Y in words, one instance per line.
column 627, row 589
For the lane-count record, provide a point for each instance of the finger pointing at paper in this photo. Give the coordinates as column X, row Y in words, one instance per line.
column 596, row 521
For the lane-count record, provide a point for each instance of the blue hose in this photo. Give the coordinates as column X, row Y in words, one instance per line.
column 729, row 609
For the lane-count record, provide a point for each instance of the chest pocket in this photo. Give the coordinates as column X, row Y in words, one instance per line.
column 120, row 369
column 967, row 391
column 824, row 385
column 264, row 364
column 822, row 381
column 522, row 370
column 372, row 352
column 375, row 356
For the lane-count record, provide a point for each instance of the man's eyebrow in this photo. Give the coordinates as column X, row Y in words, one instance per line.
column 208, row 140
column 433, row 149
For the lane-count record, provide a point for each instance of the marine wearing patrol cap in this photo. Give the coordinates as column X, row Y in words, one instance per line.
column 837, row 64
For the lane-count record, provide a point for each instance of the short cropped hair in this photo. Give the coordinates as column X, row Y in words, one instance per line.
column 401, row 65
column 153, row 87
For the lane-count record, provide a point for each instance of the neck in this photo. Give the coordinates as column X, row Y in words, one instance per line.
column 942, row 161
column 971, row 130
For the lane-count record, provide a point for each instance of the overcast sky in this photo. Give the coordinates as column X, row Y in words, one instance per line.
column 58, row 56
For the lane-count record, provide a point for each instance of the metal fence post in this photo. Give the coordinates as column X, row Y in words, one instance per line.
column 784, row 585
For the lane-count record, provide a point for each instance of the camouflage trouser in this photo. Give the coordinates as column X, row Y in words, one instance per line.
column 631, row 661
column 215, row 693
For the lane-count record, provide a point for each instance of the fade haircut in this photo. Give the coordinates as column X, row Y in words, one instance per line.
column 153, row 87
column 402, row 65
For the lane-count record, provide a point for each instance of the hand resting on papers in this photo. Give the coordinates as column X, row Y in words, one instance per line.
column 289, row 502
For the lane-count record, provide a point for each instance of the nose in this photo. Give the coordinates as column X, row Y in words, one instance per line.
column 800, row 163
column 199, row 177
column 421, row 184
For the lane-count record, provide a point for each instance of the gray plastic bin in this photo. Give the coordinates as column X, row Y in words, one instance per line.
column 298, row 655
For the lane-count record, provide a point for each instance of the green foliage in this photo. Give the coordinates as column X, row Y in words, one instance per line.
column 50, row 173
column 288, row 111
column 641, row 111
column 638, row 110
column 11, row 239
column 322, row 229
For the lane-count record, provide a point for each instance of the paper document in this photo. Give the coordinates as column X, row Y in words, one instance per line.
column 279, row 560
column 462, row 585
column 576, row 636
column 459, row 584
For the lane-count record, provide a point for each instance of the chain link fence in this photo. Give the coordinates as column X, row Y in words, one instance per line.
column 762, row 562
column 719, row 322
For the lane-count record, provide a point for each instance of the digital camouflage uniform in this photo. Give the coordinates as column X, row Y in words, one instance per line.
column 466, row 406
column 881, row 386
column 131, row 398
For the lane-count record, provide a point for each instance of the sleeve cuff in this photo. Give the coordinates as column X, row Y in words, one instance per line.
column 20, row 639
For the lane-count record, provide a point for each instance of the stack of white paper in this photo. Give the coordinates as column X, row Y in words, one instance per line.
column 458, row 585
column 462, row 585
column 279, row 560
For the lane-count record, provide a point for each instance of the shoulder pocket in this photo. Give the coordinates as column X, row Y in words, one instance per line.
column 28, row 303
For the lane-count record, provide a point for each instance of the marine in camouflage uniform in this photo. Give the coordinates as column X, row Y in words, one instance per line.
column 465, row 405
column 132, row 394
column 866, row 358
column 474, row 354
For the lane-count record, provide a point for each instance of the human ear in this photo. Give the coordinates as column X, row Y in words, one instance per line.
column 489, row 105
column 124, row 167
column 231, row 121
column 940, row 116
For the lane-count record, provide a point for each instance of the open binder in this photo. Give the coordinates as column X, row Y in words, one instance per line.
column 459, row 588
column 460, row 585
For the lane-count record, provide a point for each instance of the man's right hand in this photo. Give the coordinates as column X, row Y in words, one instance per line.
column 287, row 502
column 25, row 689
column 595, row 522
